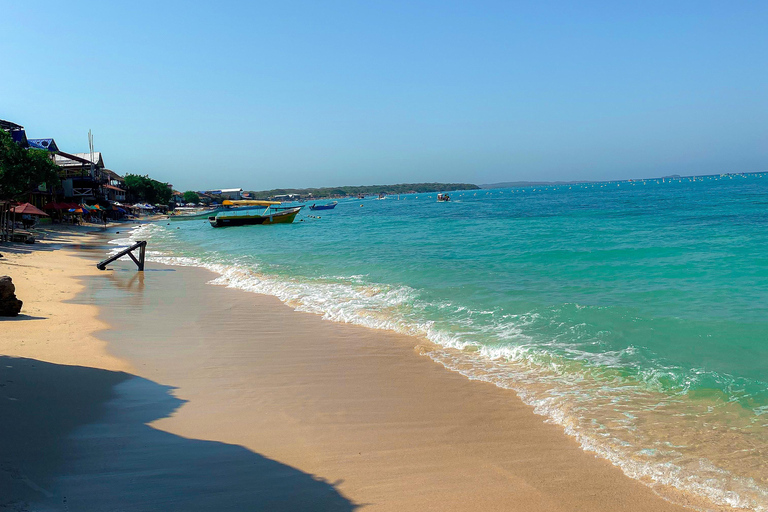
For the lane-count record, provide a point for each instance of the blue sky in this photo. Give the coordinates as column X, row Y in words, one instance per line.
column 299, row 94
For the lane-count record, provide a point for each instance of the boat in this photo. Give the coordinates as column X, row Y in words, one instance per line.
column 250, row 214
column 227, row 205
column 329, row 206
column 443, row 198
column 194, row 215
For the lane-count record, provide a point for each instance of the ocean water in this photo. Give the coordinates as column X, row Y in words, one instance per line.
column 633, row 314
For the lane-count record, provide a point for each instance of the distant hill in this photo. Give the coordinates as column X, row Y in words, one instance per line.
column 328, row 192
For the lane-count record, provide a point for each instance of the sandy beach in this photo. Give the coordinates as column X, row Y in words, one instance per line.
column 123, row 390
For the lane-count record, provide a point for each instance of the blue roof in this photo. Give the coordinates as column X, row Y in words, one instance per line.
column 46, row 144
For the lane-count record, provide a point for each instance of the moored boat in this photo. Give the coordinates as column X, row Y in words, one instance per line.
column 329, row 206
column 226, row 206
column 251, row 216
column 194, row 215
column 443, row 198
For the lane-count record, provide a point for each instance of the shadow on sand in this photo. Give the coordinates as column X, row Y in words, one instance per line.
column 76, row 438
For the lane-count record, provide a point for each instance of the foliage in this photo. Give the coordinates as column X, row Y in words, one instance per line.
column 191, row 197
column 23, row 170
column 402, row 188
column 145, row 189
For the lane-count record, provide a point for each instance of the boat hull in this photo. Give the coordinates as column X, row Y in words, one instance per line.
column 224, row 220
column 193, row 216
column 216, row 211
column 323, row 206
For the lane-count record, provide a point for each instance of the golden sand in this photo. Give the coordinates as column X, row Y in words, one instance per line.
column 357, row 410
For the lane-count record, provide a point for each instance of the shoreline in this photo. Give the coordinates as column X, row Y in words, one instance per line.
column 324, row 394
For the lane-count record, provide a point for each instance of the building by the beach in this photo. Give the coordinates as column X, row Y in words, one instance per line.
column 82, row 175
column 115, row 186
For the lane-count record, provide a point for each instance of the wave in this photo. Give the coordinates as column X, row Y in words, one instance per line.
column 643, row 418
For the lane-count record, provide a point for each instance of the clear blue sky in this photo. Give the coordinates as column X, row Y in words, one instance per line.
column 319, row 93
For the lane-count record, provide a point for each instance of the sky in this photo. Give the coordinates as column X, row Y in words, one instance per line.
column 264, row 95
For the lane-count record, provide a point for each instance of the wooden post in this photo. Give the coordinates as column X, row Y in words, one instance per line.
column 142, row 246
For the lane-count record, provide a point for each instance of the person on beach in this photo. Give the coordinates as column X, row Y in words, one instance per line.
column 27, row 221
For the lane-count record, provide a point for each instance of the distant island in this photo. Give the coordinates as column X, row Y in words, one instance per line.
column 365, row 190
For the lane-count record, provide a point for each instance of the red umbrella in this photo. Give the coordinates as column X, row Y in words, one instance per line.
column 28, row 209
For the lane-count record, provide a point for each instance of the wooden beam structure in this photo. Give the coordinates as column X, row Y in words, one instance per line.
column 141, row 246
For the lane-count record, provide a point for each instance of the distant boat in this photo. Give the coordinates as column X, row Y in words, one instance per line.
column 329, row 206
column 443, row 198
column 250, row 216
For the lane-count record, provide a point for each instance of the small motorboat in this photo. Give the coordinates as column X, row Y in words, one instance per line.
column 329, row 206
column 443, row 198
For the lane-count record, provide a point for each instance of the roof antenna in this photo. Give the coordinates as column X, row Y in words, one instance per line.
column 90, row 145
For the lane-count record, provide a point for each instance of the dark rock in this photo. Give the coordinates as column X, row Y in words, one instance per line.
column 9, row 304
column 7, row 288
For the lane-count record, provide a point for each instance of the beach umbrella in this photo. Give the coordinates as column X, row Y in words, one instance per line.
column 28, row 209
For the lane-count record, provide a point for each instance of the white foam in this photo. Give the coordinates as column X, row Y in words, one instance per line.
column 559, row 389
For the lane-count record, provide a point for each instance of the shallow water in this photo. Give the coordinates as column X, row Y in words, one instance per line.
column 631, row 313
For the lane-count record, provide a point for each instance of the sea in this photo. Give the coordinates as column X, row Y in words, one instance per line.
column 633, row 314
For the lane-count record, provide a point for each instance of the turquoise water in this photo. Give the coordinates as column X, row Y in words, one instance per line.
column 631, row 313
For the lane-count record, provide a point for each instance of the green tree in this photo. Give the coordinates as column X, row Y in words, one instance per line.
column 22, row 170
column 144, row 188
column 191, row 197
column 163, row 192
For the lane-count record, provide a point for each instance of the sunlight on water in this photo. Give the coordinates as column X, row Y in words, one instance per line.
column 633, row 316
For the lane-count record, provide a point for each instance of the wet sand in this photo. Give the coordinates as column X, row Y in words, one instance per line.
column 230, row 400
column 74, row 429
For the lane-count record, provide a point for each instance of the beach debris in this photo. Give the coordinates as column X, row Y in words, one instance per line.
column 141, row 246
column 9, row 304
